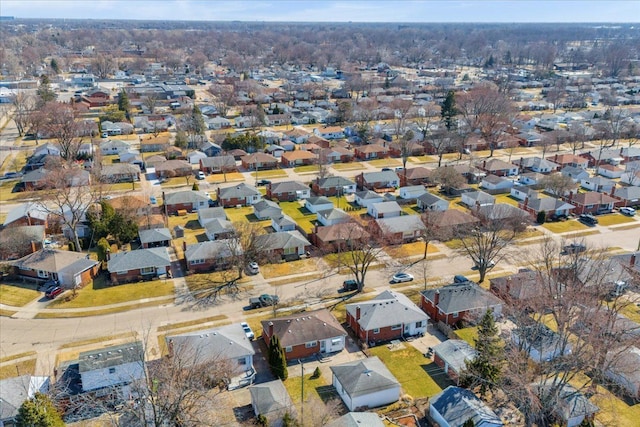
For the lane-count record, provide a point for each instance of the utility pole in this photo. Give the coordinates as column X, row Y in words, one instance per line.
column 302, row 390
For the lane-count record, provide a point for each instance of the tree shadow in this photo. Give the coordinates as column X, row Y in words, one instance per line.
column 438, row 375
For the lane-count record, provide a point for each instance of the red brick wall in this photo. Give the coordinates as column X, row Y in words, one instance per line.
column 27, row 221
column 324, row 192
column 385, row 334
column 171, row 209
column 297, row 352
column 232, row 202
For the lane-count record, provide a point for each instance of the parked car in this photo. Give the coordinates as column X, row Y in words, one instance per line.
column 262, row 183
column 253, row 268
column 247, row 330
column 264, row 300
column 619, row 288
column 574, row 248
column 490, row 264
column 51, row 293
column 200, row 175
column 628, row 211
column 349, row 285
column 385, row 169
column 401, row 277
column 588, row 219
column 153, row 200
column 459, row 278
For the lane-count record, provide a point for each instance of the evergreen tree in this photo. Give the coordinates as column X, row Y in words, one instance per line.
column 181, row 139
column 485, row 369
column 449, row 110
column 277, row 360
column 469, row 423
column 123, row 103
column 102, row 249
column 39, row 411
column 54, row 66
column 44, row 91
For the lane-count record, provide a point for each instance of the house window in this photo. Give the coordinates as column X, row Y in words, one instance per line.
column 455, row 314
column 288, row 349
column 43, row 274
column 242, row 361
column 289, row 251
column 112, row 370
column 396, row 327
column 311, row 344
column 147, row 270
column 196, row 261
column 376, row 331
column 419, row 324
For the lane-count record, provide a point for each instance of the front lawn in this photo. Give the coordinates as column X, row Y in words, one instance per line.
column 385, row 163
column 348, row 166
column 306, row 169
column 201, row 282
column 614, row 219
column 410, row 249
column 412, row 370
column 422, row 159
column 220, row 178
column 18, row 295
column 270, row 271
column 274, row 173
column 100, row 293
column 565, row 226
column 23, row 367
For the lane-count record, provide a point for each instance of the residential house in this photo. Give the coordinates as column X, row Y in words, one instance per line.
column 610, row 156
column 298, row 158
column 219, row 228
column 272, row 401
column 211, row 149
column 498, row 167
column 298, row 135
column 335, row 154
column 371, row 151
column 577, row 174
column 598, row 183
column 413, row 148
column 520, row 287
column 523, row 192
column 266, row 209
column 357, row 419
column 114, row 147
column 503, row 213
column 539, row 342
column 454, row 406
column 239, row 194
column 444, row 222
column 14, row 391
column 117, row 128
column 219, row 164
column 384, row 180
column 172, row 168
column 329, row 132
column 563, row 160
column 365, row 383
column 496, row 184
column 411, row 192
column 431, row 202
column 591, row 202
column 152, row 144
column 627, row 196
column 47, row 149
column 288, row 191
column 217, row 345
column 610, row 171
column 194, row 157
column 333, row 186
column 366, row 198
column 333, row 216
column 218, row 123
column 452, row 356
column 631, row 176
column 153, row 161
column 390, row 315
column 283, row 245
column 210, row 256
column 283, row 223
column 275, row 150
column 26, row 214
column 187, row 200
column 536, row 164
column 530, row 178
column 416, row 176
column 120, row 172
column 138, row 265
column 155, row 238
column 207, row 214
column 384, row 210
column 477, row 199
column 570, row 407
column 259, row 161
column 457, row 302
column 70, row 269
column 630, row 154
column 338, row 237
column 19, row 241
column 306, row 334
column 35, row 179
column 317, row 204
column 400, row 229
column 113, row 368
column 622, row 369
column 553, row 207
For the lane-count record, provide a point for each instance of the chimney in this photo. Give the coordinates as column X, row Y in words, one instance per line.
column 184, row 245
column 526, row 202
column 436, row 298
column 33, row 247
column 270, row 329
column 632, row 260
column 555, row 158
column 357, row 312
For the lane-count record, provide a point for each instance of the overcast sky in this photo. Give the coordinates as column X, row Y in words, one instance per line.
column 331, row 11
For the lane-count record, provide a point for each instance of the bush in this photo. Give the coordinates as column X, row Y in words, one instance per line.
column 542, row 217
column 195, row 187
column 316, row 373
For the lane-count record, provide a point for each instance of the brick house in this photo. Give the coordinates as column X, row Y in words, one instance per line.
column 371, row 151
column 378, row 180
column 70, row 269
column 306, row 334
column 336, row 154
column 329, row 132
column 332, row 186
column 498, row 167
column 155, row 237
column 172, row 168
column 219, row 164
column 388, row 316
column 288, row 191
column 239, row 194
column 287, row 245
column 415, row 176
column 187, row 200
column 591, row 202
column 298, row 157
column 569, row 160
column 457, row 302
column 139, row 265
column 210, row 256
column 259, row 161
column 26, row 214
column 334, row 238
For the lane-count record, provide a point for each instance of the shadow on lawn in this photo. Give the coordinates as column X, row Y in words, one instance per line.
column 437, row 375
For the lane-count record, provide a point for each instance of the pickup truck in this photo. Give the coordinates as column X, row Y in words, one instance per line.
column 264, row 300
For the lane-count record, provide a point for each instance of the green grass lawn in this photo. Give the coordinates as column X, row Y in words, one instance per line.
column 506, row 198
column 418, row 376
column 565, row 226
column 468, row 334
column 275, row 173
column 306, row 169
column 245, row 214
column 614, row 219
column 18, row 295
column 228, row 177
column 299, row 214
column 100, row 293
column 270, row 271
column 19, row 368
column 317, row 389
column 411, row 209
column 385, row 163
column 347, row 166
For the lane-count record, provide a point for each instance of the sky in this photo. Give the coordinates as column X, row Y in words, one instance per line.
column 611, row 11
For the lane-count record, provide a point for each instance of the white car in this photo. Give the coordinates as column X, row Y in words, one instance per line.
column 247, row 330
column 201, row 175
column 628, row 211
column 401, row 277
column 253, row 268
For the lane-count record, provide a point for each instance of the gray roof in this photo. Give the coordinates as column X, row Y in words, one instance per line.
column 140, row 258
column 284, row 220
column 111, row 356
column 281, row 240
column 363, row 377
column 211, row 213
column 549, row 204
column 334, row 214
column 401, row 224
column 387, row 207
column 368, row 195
column 219, row 225
column 34, row 210
column 154, row 235
column 14, row 391
column 457, row 405
column 538, row 336
column 264, row 206
column 228, row 342
column 301, row 328
column 238, row 191
column 573, row 171
column 55, row 260
column 429, row 199
column 217, row 249
column 627, row 193
column 186, row 196
column 357, row 419
column 270, row 397
column 494, row 179
column 455, row 353
column 537, row 162
column 218, row 162
column 569, row 402
column 119, row 169
column 480, row 196
column 459, row 297
column 321, row 200
column 387, row 309
column 288, row 187
column 503, row 211
column 334, row 181
column 382, row 176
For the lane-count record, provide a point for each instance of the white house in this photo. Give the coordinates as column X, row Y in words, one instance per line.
column 522, row 192
column 540, row 342
column 366, row 198
column 623, row 369
column 333, row 217
column 384, row 210
column 610, row 171
column 330, row 132
column 194, row 157
column 496, row 183
column 431, row 202
column 365, row 383
column 316, row 204
column 598, row 183
column 116, row 366
column 412, row 191
column 283, row 223
column 474, row 199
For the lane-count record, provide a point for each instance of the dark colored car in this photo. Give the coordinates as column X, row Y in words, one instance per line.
column 263, row 182
column 574, row 248
column 588, row 219
column 349, row 285
column 51, row 293
column 459, row 278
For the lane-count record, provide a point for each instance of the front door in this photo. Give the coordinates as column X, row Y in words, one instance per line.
column 322, row 346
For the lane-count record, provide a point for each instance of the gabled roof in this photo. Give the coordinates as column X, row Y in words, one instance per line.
column 401, row 224
column 209, row 345
column 218, row 161
column 111, row 356
column 591, row 198
column 15, row 390
column 271, row 397
column 538, row 336
column 495, row 165
column 382, row 176
column 219, row 225
column 281, row 240
column 138, row 259
column 265, row 205
column 334, row 215
column 186, row 196
column 298, row 329
column 386, row 207
column 387, row 309
column 357, row 419
column 211, row 250
column 334, row 182
column 33, row 210
column 321, row 200
column 457, row 405
column 207, row 214
column 417, row 173
column 288, row 187
column 259, row 158
column 154, row 235
column 536, row 162
column 480, row 196
column 549, row 204
column 455, row 353
column 460, row 297
column 239, row 191
column 55, row 260
column 341, row 231
column 494, row 179
column 363, row 377
column 522, row 285
column 299, row 155
column 429, row 199
column 368, row 195
column 284, row 221
column 569, row 402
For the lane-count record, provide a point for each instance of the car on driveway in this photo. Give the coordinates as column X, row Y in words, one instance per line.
column 200, row 175
column 247, row 330
column 262, row 183
column 459, row 278
column 253, row 268
column 628, row 211
column 401, row 277
column 349, row 285
column 490, row 264
column 573, row 248
column 51, row 293
column 588, row 219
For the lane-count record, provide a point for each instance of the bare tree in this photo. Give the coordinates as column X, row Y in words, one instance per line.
column 23, row 105
column 151, row 102
column 557, row 184
column 448, row 178
column 102, row 65
column 224, row 96
column 556, row 94
column 62, row 125
column 443, row 141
